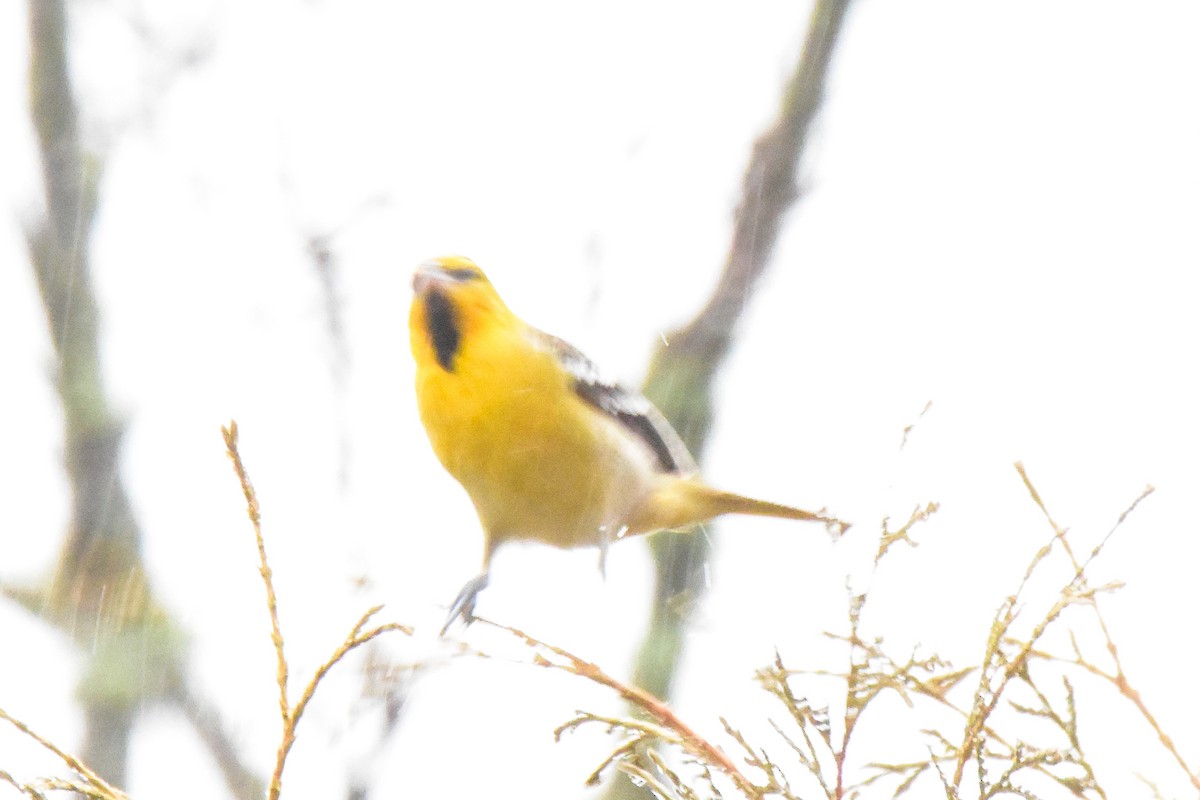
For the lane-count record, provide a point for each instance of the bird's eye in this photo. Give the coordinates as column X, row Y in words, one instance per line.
column 463, row 274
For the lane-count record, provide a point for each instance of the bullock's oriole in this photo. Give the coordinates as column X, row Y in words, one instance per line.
column 546, row 450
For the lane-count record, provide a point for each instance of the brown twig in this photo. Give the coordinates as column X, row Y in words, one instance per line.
column 356, row 638
column 264, row 569
column 94, row 785
column 1015, row 665
column 1118, row 678
column 693, row 743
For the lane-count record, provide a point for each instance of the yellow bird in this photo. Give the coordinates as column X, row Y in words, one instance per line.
column 546, row 449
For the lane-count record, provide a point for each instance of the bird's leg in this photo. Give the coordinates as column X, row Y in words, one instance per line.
column 464, row 604
column 602, row 542
column 608, row 535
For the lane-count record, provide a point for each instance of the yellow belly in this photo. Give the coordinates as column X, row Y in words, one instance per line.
column 509, row 427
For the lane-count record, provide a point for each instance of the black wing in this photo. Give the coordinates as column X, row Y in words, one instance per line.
column 627, row 407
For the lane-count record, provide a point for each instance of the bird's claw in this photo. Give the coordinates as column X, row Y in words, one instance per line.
column 464, row 605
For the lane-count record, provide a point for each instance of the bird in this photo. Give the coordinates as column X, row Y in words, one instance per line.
column 546, row 448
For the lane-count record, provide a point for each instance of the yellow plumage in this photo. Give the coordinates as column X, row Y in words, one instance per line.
column 545, row 450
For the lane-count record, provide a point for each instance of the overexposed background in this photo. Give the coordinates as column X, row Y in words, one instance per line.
column 999, row 216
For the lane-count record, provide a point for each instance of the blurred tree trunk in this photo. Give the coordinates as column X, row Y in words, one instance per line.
column 681, row 375
column 99, row 593
column 99, row 581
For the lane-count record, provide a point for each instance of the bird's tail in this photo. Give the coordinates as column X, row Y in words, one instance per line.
column 681, row 502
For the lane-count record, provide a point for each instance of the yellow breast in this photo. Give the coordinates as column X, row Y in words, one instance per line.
column 506, row 423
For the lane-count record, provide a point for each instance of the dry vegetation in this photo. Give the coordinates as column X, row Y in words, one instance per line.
column 988, row 750
column 1009, row 724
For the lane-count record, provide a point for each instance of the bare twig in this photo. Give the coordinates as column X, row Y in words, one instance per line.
column 357, row 637
column 264, row 569
column 1117, row 677
column 693, row 743
column 93, row 785
column 243, row 782
column 888, row 538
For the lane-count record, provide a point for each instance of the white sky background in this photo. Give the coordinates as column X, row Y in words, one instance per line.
column 999, row 216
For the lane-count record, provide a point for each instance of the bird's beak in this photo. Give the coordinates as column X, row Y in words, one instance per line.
column 429, row 272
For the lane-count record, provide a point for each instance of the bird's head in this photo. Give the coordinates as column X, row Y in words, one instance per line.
column 451, row 299
column 447, row 271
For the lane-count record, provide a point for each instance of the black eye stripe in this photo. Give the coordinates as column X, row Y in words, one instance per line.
column 462, row 274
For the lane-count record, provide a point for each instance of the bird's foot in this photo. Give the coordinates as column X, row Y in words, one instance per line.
column 464, row 604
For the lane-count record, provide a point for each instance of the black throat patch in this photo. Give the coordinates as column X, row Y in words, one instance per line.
column 441, row 321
